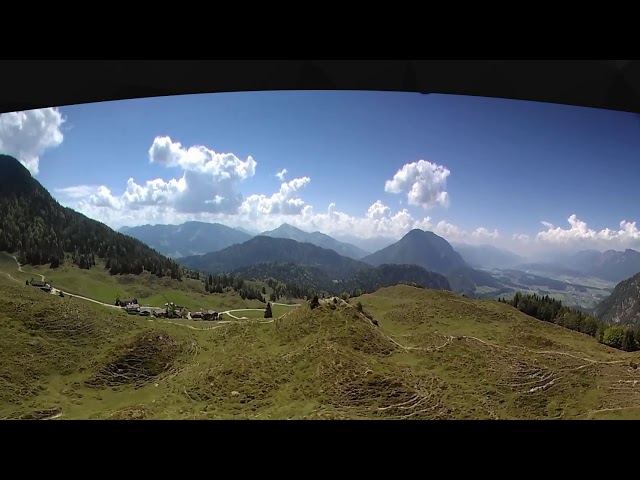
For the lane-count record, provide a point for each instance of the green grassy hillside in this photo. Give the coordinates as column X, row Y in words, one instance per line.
column 431, row 355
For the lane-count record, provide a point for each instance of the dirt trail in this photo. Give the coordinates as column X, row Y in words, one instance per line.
column 230, row 312
column 590, row 361
column 88, row 299
column 613, row 409
column 28, row 273
column 12, row 278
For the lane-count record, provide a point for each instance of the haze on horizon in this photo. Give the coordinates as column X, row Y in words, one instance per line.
column 526, row 176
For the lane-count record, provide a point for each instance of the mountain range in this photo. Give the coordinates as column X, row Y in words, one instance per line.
column 316, row 238
column 305, row 263
column 262, row 249
column 419, row 248
column 198, row 238
column 190, row 238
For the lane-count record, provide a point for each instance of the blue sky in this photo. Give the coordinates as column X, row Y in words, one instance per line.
column 511, row 164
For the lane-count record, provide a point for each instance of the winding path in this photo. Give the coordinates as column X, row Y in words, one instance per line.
column 28, row 273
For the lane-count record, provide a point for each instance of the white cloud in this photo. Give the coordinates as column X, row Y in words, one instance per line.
column 77, row 191
column 579, row 234
column 200, row 159
column 283, row 202
column 484, row 234
column 281, row 174
column 207, row 184
column 104, row 198
column 27, row 135
column 423, row 182
column 547, row 224
column 153, row 192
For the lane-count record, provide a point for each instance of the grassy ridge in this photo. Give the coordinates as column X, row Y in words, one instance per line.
column 499, row 363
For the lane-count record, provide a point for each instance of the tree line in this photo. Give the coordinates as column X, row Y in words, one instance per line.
column 549, row 309
column 223, row 282
column 287, row 290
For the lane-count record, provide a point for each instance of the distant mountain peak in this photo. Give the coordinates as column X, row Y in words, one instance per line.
column 189, row 238
column 286, row 227
column 318, row 239
column 420, row 248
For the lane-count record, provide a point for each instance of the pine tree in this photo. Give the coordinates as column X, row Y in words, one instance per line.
column 267, row 311
column 629, row 341
column 314, row 302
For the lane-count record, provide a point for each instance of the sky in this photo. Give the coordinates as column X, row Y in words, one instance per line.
column 521, row 175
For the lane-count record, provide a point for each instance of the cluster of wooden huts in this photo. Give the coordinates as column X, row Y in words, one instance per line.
column 44, row 286
column 170, row 310
column 206, row 315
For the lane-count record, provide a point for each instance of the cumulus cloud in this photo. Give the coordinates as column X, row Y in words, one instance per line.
column 579, row 233
column 577, row 236
column 283, row 202
column 281, row 174
column 200, row 159
column 77, row 191
column 27, row 135
column 520, row 237
column 424, row 183
column 104, row 198
column 207, row 185
column 484, row 234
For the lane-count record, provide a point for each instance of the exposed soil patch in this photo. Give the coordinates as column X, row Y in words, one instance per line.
column 149, row 355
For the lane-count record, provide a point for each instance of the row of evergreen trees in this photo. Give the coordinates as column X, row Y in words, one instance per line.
column 224, row 282
column 549, row 309
column 287, row 290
